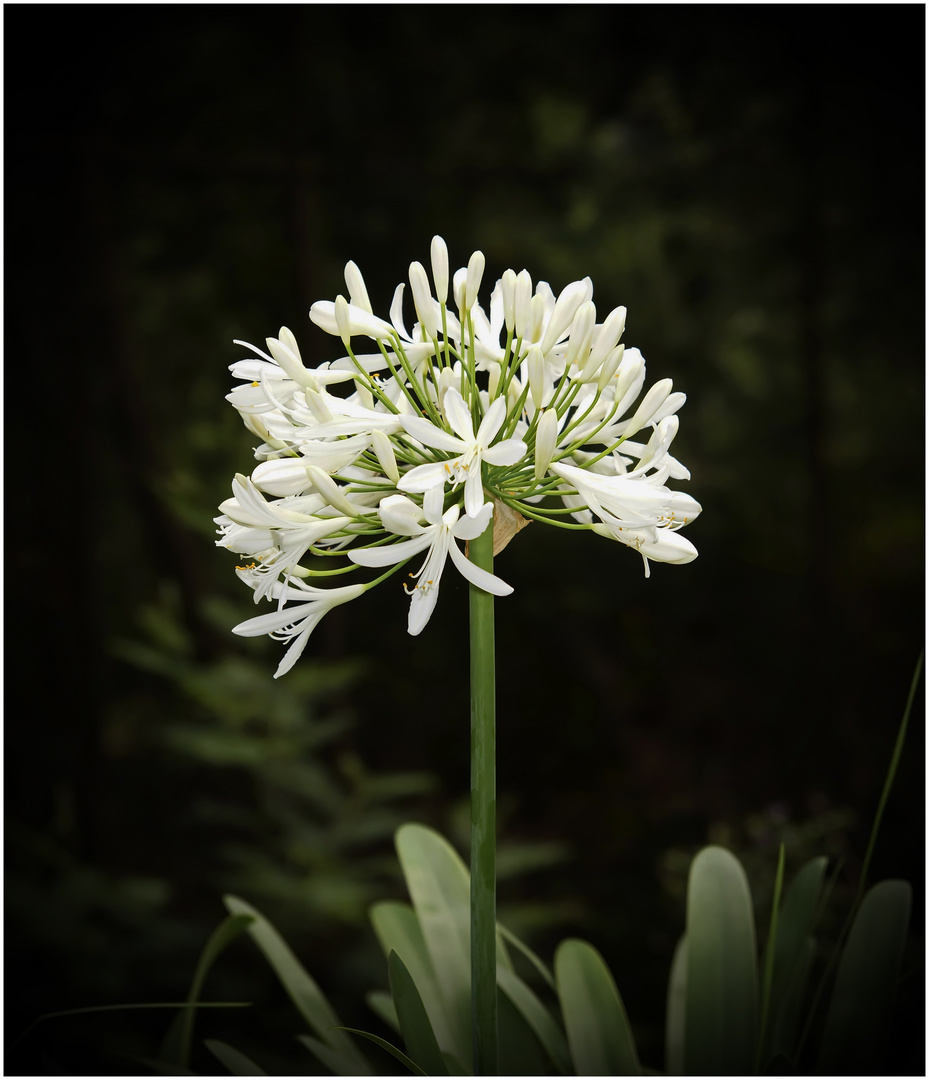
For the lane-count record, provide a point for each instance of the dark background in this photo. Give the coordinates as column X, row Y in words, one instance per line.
column 749, row 182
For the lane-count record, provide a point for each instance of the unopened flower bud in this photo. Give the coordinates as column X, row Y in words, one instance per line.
column 536, row 317
column 355, row 284
column 630, row 374
column 330, row 490
column 582, row 329
column 287, row 355
column 422, row 299
column 475, row 273
column 439, row 253
column 318, row 407
column 609, row 367
column 508, row 288
column 569, row 300
column 343, row 321
column 447, row 378
column 606, row 338
column 536, row 366
column 545, row 435
column 522, row 302
column 673, row 402
column 651, row 403
column 385, row 454
column 493, row 381
column 459, row 287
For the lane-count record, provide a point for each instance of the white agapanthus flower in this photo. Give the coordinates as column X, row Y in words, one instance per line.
column 401, row 517
column 524, row 412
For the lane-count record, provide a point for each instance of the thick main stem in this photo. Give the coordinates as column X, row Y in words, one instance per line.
column 483, row 817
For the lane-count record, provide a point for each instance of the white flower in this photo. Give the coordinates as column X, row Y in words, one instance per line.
column 638, row 511
column 617, row 500
column 295, row 623
column 401, row 516
column 472, row 448
column 278, row 534
column 360, row 322
column 522, row 409
column 669, row 547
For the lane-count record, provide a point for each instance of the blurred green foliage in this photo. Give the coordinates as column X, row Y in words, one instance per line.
column 732, row 178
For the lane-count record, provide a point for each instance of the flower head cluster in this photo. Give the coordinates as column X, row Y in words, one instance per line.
column 414, row 440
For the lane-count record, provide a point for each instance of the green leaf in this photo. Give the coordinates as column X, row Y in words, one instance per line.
column 722, row 980
column 792, row 958
column 454, row 1066
column 391, row 1049
column 676, row 1010
column 334, row 1061
column 235, row 1061
column 382, row 1005
column 224, row 934
column 866, row 981
column 519, row 1052
column 598, row 1029
column 433, row 939
column 540, row 966
column 767, row 978
column 537, row 1017
column 439, row 887
column 129, row 1006
column 301, row 988
column 398, row 930
column 417, row 1032
column 794, row 1003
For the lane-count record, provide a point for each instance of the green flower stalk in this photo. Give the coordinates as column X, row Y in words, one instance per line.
column 466, row 428
column 483, row 818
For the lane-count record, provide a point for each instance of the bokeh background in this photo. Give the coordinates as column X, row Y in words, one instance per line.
column 749, row 182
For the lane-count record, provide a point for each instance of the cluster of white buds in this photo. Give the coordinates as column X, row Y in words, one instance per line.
column 524, row 412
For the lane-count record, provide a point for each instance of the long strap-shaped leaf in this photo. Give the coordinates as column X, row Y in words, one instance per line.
column 301, row 988
column 398, row 930
column 384, row 1044
column 432, row 942
column 722, row 980
column 236, row 1062
column 676, row 1016
column 224, row 934
column 540, row 1021
column 598, row 1029
column 792, row 958
column 866, row 981
column 439, row 886
column 417, row 1032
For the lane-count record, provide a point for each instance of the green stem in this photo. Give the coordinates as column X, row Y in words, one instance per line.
column 483, row 817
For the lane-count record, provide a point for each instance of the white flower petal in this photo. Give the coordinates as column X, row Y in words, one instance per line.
column 400, row 515
column 477, row 576
column 459, row 416
column 429, row 434
column 423, row 477
column 507, row 452
column 472, row 526
column 361, row 322
column 491, row 424
column 391, row 554
column 474, row 492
